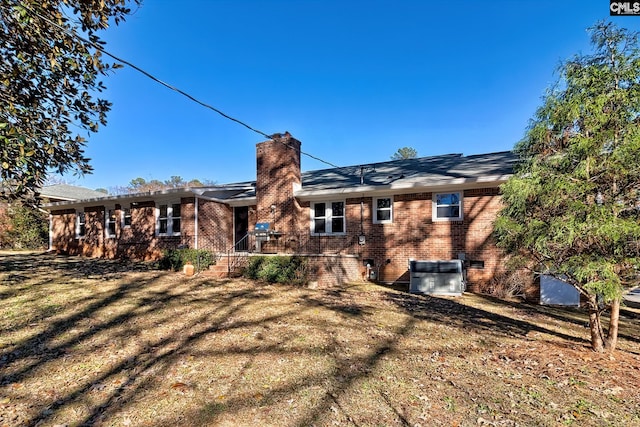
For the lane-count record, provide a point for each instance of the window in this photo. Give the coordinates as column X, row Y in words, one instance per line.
column 168, row 223
column 383, row 210
column 80, row 225
column 110, row 222
column 447, row 207
column 327, row 218
column 126, row 217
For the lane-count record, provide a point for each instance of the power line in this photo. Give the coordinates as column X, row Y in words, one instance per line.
column 72, row 33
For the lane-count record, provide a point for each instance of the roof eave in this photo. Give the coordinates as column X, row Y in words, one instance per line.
column 158, row 195
column 401, row 188
column 123, row 198
column 242, row 201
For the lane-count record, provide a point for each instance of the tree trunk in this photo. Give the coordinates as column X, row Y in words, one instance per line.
column 594, row 325
column 612, row 334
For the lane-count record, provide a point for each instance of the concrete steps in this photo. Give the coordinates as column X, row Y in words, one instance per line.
column 220, row 270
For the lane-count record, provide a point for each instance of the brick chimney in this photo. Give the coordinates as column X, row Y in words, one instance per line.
column 278, row 169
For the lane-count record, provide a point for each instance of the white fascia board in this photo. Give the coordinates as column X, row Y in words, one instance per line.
column 401, row 188
column 244, row 201
column 240, row 201
column 202, row 190
column 62, row 199
column 171, row 194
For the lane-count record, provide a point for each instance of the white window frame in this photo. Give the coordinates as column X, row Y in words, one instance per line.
column 170, row 218
column 80, row 224
column 435, row 205
column 375, row 210
column 328, row 210
column 107, row 234
column 123, row 217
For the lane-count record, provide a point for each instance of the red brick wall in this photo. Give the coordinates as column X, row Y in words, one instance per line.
column 138, row 241
column 5, row 227
column 481, row 209
column 277, row 170
column 412, row 234
column 63, row 231
column 93, row 241
column 215, row 226
column 329, row 270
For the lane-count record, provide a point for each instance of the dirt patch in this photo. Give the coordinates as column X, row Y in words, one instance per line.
column 94, row 342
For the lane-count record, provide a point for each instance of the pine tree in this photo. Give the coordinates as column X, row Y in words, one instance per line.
column 572, row 210
column 405, row 153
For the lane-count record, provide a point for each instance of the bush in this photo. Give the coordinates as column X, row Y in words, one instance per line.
column 175, row 259
column 277, row 269
column 253, row 267
column 23, row 227
column 508, row 284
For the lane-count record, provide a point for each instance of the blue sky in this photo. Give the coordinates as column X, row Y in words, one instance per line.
column 353, row 80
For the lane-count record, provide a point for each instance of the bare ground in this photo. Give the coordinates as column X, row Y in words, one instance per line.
column 95, row 342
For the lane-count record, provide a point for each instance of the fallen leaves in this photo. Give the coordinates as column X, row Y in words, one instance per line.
column 180, row 387
column 152, row 349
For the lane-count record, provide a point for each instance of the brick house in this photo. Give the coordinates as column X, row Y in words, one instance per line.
column 342, row 219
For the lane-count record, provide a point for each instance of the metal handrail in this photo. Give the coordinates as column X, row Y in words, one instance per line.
column 233, row 249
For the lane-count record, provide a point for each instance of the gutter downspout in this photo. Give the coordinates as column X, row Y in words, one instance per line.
column 50, row 232
column 50, row 227
column 195, row 232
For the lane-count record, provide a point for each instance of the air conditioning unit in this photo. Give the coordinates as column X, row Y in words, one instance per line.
column 437, row 277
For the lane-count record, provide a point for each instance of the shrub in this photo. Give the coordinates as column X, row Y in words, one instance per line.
column 508, row 284
column 175, row 259
column 277, row 269
column 23, row 227
column 253, row 267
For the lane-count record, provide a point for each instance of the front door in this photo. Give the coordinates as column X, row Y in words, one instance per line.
column 241, row 227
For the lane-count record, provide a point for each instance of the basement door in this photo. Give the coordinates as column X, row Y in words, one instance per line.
column 241, row 228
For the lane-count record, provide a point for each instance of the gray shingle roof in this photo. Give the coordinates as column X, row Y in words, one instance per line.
column 227, row 192
column 68, row 192
column 395, row 176
column 419, row 172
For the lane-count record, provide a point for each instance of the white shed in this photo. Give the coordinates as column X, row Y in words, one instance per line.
column 556, row 292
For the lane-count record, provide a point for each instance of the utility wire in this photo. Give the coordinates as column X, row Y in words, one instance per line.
column 72, row 33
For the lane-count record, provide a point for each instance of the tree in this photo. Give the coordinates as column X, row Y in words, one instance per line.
column 572, row 209
column 22, row 226
column 140, row 185
column 405, row 153
column 49, row 77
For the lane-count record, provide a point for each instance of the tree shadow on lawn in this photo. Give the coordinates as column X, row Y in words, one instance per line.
column 343, row 377
column 24, row 274
column 42, row 268
column 346, row 368
column 37, row 351
column 437, row 309
column 153, row 362
column 22, row 361
column 338, row 300
column 576, row 316
column 23, row 265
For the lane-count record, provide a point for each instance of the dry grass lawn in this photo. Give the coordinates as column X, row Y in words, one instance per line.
column 95, row 342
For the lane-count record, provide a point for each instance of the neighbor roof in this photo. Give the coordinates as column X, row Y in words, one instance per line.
column 68, row 192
